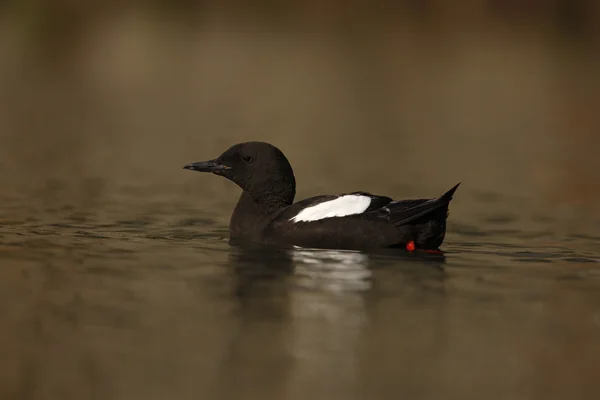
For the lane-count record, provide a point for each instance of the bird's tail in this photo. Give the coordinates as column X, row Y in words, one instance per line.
column 448, row 195
column 403, row 215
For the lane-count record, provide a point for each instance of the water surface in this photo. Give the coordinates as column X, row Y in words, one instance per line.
column 127, row 302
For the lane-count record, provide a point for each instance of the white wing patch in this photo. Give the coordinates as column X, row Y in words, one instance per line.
column 349, row 204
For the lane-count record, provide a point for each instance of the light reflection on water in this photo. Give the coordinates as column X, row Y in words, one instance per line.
column 331, row 316
column 136, row 308
column 332, row 270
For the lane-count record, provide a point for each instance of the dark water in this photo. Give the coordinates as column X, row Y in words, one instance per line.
column 128, row 303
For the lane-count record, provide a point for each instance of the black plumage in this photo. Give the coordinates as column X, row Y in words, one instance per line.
column 266, row 213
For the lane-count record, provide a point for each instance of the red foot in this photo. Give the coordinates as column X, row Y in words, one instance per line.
column 410, row 246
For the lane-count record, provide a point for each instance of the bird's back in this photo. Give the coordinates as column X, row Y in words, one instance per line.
column 360, row 220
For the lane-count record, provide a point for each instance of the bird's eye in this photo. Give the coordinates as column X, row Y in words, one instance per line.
column 247, row 159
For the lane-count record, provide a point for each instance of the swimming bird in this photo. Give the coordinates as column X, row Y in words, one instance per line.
column 266, row 212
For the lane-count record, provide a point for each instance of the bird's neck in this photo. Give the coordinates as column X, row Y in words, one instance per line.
column 255, row 209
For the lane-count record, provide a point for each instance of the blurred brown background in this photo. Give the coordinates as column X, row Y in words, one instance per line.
column 406, row 97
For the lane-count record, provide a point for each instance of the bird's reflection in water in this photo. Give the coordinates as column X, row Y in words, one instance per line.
column 302, row 313
column 329, row 317
column 331, row 270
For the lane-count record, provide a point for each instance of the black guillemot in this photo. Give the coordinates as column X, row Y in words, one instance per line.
column 266, row 212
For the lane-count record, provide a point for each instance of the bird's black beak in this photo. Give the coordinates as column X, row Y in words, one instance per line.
column 206, row 166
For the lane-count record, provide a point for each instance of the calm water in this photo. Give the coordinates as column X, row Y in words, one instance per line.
column 147, row 300
column 117, row 281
